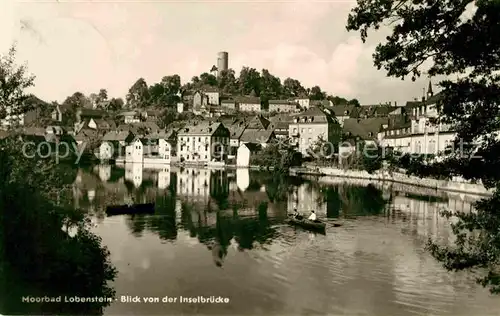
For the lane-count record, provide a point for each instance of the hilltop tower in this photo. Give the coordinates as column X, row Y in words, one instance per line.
column 222, row 61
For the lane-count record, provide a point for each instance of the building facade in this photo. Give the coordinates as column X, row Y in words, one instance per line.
column 312, row 125
column 203, row 142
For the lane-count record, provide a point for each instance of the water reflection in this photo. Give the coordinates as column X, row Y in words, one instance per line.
column 222, row 232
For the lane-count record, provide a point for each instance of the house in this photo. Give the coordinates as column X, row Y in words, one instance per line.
column 262, row 137
column 258, row 122
column 320, row 103
column 151, row 115
column 283, row 106
column 83, row 114
column 199, row 99
column 342, row 112
column 422, row 133
column 364, row 129
column 248, row 104
column 87, row 138
column 245, row 152
column 114, row 143
column 203, row 142
column 312, row 125
column 212, row 94
column 57, row 114
column 134, row 151
column 280, row 125
column 130, row 117
column 236, row 129
column 141, row 128
column 303, row 101
column 228, row 104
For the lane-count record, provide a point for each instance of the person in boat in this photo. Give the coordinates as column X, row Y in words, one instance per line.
column 296, row 214
column 312, row 217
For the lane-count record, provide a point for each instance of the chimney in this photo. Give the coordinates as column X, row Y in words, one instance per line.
column 423, row 99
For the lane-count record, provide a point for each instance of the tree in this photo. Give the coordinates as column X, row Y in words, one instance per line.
column 116, row 104
column 31, row 219
column 436, row 33
column 138, row 94
column 292, row 88
column 102, row 96
column 14, row 80
column 317, row 94
column 248, row 81
column 227, row 82
column 71, row 105
column 207, row 79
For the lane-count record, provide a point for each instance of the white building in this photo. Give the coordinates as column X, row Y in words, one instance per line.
column 423, row 134
column 113, row 144
column 283, row 106
column 245, row 152
column 203, row 142
column 135, row 151
column 312, row 125
column 249, row 104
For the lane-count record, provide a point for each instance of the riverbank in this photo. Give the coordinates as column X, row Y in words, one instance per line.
column 457, row 185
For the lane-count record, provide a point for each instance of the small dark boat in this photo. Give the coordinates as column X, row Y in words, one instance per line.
column 316, row 225
column 147, row 208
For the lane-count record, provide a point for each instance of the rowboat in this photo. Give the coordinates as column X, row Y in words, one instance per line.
column 146, row 208
column 316, row 225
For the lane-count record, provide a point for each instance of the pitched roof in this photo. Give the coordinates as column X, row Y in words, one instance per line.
column 86, row 133
column 258, row 122
column 116, row 136
column 102, row 123
column 201, row 128
column 341, row 110
column 363, row 127
column 318, row 115
column 236, row 129
column 248, row 100
column 256, row 136
column 283, row 102
column 92, row 112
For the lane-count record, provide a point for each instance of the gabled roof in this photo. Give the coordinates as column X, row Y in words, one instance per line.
column 363, row 127
column 201, row 128
column 258, row 122
column 92, row 113
column 341, row 110
column 248, row 100
column 116, row 136
column 86, row 133
column 256, row 136
column 236, row 129
column 318, row 115
column 284, row 102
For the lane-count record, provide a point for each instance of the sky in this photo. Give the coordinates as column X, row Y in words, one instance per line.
column 88, row 45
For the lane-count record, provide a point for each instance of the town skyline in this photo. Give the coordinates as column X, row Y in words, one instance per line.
column 88, row 46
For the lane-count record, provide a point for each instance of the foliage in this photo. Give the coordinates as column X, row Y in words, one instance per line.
column 32, row 232
column 435, row 33
column 277, row 157
column 116, row 104
column 14, row 81
column 71, row 105
column 138, row 95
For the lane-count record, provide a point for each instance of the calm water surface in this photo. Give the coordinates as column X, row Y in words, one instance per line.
column 222, row 233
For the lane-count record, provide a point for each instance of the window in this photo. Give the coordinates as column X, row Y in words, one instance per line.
column 302, row 130
column 310, row 130
column 309, row 140
column 199, row 139
column 206, row 157
column 370, row 134
column 294, row 130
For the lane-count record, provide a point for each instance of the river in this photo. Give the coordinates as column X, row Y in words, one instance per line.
column 222, row 233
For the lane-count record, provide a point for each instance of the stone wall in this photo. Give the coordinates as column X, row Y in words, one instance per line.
column 455, row 185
